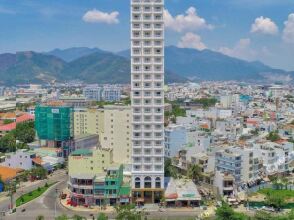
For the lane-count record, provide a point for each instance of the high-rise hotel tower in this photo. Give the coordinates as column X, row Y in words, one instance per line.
column 147, row 70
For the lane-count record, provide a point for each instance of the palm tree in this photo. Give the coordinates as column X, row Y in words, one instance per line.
column 194, row 172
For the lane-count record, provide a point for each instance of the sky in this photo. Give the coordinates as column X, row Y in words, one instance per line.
column 248, row 29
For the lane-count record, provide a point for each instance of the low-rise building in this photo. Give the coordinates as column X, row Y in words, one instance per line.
column 21, row 159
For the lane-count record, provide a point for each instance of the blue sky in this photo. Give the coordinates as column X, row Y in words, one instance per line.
column 248, row 29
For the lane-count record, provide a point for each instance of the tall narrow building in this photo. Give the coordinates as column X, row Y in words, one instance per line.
column 147, row 78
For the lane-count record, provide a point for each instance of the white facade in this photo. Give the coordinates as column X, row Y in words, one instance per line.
column 147, row 77
column 20, row 159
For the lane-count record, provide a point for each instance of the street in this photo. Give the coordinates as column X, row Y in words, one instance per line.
column 59, row 175
column 48, row 206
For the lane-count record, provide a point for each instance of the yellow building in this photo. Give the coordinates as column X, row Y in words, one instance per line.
column 86, row 121
column 89, row 162
column 113, row 125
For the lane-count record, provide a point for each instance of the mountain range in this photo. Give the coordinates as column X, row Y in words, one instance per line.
column 93, row 65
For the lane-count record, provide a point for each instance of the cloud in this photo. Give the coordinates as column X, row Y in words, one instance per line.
column 189, row 21
column 288, row 32
column 265, row 26
column 190, row 40
column 241, row 50
column 96, row 16
column 6, row 11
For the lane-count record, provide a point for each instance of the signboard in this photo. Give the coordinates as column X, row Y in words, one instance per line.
column 55, row 111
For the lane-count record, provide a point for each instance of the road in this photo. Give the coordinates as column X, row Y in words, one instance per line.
column 59, row 175
column 47, row 203
column 45, row 206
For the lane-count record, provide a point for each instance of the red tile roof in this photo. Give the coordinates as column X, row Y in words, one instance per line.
column 24, row 117
column 8, row 127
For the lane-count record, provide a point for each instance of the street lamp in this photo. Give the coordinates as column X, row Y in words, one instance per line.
column 55, row 203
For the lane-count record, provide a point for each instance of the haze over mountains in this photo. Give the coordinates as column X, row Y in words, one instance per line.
column 93, row 65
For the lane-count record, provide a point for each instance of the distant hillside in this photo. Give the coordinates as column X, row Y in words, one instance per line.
column 29, row 66
column 73, row 53
column 105, row 67
column 210, row 65
column 97, row 67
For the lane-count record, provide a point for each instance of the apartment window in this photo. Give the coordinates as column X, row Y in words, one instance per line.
column 147, row 151
column 157, row 25
column 136, row 25
column 158, row 51
column 136, row 60
column 137, row 182
column 157, row 182
column 147, row 43
column 147, row 143
column 136, row 33
column 147, row 68
column 147, row 181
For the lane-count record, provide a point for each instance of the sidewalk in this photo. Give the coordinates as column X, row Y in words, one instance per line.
column 108, row 209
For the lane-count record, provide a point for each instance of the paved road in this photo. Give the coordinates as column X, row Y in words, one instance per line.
column 45, row 205
column 59, row 175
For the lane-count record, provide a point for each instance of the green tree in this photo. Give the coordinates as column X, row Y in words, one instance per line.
column 225, row 212
column 77, row 217
column 7, row 121
column 62, row 217
column 273, row 136
column 102, row 216
column 8, row 143
column 127, row 212
column 40, row 217
column 39, row 173
column 25, row 132
column 194, row 172
column 276, row 200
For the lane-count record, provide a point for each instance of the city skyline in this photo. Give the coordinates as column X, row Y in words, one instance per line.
column 250, row 30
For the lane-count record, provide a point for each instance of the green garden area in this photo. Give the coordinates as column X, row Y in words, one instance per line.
column 32, row 195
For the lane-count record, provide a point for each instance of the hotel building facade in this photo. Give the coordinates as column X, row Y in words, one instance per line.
column 147, row 78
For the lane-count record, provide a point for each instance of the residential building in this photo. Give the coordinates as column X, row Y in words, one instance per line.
column 225, row 183
column 175, row 138
column 111, row 93
column 90, row 161
column 54, row 124
column 100, row 189
column 21, row 159
column 93, row 92
column 113, row 125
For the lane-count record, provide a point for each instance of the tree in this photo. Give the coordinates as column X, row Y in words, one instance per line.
column 194, row 172
column 102, row 216
column 62, row 217
column 39, row 172
column 8, row 143
column 77, row 217
column 7, row 121
column 25, row 132
column 273, row 136
column 225, row 212
column 277, row 201
column 40, row 217
column 127, row 212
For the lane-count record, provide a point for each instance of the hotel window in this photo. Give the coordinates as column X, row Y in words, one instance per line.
column 147, row 151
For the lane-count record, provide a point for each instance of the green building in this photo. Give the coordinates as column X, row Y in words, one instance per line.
column 54, row 124
column 100, row 189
